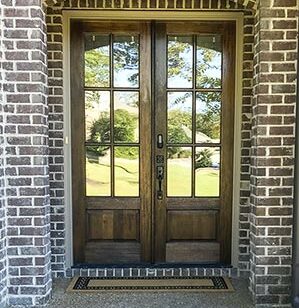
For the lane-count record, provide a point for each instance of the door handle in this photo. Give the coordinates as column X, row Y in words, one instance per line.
column 160, row 177
column 160, row 141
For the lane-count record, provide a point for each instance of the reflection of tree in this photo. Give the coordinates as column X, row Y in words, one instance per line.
column 207, row 61
column 177, row 64
column 97, row 67
column 126, row 56
column 203, row 159
column 124, row 131
column 208, row 121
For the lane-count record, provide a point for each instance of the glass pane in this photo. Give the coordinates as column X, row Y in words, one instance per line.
column 126, row 169
column 207, row 172
column 180, row 61
column 97, row 62
column 179, row 170
column 97, row 116
column 126, row 61
column 126, row 116
column 98, row 171
column 179, row 117
column 208, row 117
column 208, row 61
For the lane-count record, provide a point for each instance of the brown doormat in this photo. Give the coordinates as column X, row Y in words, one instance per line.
column 86, row 284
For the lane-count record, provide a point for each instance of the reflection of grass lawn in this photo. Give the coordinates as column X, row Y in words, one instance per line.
column 98, row 178
column 179, row 179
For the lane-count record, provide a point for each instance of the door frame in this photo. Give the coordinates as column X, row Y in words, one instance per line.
column 68, row 15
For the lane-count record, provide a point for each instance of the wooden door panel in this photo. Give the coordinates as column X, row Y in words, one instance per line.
column 111, row 252
column 191, row 225
column 113, row 225
column 192, row 252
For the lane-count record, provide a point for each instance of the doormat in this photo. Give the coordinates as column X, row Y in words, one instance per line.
column 90, row 284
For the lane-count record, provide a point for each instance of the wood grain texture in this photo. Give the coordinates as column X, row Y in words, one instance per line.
column 191, row 225
column 113, row 225
column 77, row 138
column 192, row 252
column 227, row 133
column 111, row 252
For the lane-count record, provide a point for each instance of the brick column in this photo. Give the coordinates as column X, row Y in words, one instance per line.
column 273, row 152
column 3, row 269
column 26, row 152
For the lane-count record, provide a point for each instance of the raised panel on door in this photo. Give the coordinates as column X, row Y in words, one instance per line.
column 111, row 158
column 194, row 99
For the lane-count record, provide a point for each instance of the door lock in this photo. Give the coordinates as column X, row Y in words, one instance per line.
column 160, row 177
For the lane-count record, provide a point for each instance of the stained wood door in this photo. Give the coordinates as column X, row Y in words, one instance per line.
column 152, row 140
column 111, row 148
column 194, row 116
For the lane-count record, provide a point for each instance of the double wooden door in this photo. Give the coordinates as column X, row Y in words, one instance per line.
column 152, row 141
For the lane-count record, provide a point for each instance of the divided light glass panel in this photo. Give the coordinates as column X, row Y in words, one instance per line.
column 97, row 116
column 207, row 171
column 179, row 171
column 179, row 117
column 98, row 170
column 126, row 171
column 180, row 61
column 126, row 61
column 126, row 117
column 208, row 61
column 208, row 117
column 97, row 60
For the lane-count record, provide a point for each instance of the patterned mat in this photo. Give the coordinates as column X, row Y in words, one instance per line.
column 150, row 284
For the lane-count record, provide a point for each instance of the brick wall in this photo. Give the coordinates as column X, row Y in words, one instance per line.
column 26, row 152
column 273, row 151
column 56, row 160
column 3, row 269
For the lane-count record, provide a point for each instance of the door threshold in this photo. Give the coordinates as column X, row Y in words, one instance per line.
column 157, row 270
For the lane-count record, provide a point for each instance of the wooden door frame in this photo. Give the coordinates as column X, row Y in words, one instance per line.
column 69, row 15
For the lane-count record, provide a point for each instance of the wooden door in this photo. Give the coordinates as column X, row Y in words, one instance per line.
column 111, row 148
column 194, row 116
column 152, row 179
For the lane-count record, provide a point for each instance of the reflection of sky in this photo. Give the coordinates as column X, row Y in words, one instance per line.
column 180, row 101
column 100, row 102
column 214, row 69
column 184, row 78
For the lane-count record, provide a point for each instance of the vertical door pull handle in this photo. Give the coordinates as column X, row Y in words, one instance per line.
column 160, row 141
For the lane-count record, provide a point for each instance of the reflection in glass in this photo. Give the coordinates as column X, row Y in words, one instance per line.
column 179, row 171
column 98, row 171
column 97, row 62
column 207, row 172
column 126, row 61
column 126, row 116
column 208, row 117
column 180, row 59
column 97, row 116
column 208, row 61
column 179, row 117
column 126, row 171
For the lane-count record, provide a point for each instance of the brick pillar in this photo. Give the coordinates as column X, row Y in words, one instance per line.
column 26, row 152
column 3, row 269
column 273, row 152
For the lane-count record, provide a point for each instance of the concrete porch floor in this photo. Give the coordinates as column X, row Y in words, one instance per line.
column 240, row 298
